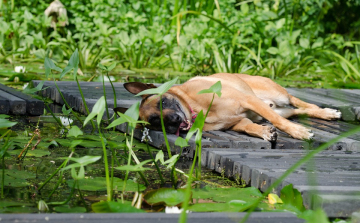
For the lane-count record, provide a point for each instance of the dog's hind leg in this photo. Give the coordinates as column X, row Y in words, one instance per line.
column 310, row 110
column 255, row 104
column 266, row 132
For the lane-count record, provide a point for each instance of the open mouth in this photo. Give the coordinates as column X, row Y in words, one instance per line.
column 184, row 126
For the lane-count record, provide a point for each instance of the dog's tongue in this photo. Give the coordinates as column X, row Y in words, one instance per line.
column 178, row 132
column 183, row 126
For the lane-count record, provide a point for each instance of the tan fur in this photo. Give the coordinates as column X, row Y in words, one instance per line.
column 244, row 99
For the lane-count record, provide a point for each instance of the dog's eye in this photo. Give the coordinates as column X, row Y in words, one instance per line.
column 164, row 101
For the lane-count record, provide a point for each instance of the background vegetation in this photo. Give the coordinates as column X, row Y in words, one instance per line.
column 291, row 39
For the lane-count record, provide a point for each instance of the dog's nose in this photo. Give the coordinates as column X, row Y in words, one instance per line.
column 175, row 118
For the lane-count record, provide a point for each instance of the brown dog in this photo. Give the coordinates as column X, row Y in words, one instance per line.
column 245, row 99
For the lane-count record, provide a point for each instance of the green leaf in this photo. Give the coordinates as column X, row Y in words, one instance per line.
column 114, row 207
column 244, row 8
column 4, row 123
column 160, row 90
column 34, row 153
column 49, row 65
column 318, row 43
column 248, row 194
column 82, row 161
column 5, row 203
column 135, row 168
column 160, row 156
column 317, row 216
column 172, row 161
column 304, row 43
column 74, row 143
column 99, row 184
column 66, row 111
column 98, row 110
column 112, row 66
column 231, row 206
column 214, row 89
column 181, row 142
column 197, row 126
column 165, row 196
column 80, row 175
column 16, row 178
column 131, row 117
column 133, row 111
column 75, row 131
column 102, row 67
column 73, row 64
column 292, row 198
column 35, row 89
column 68, row 209
column 273, row 50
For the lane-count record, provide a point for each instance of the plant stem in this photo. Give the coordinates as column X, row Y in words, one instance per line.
column 106, row 107
column 57, row 170
column 173, row 173
column 67, row 105
column 156, row 165
column 53, row 115
column 2, row 176
column 7, row 132
column 82, row 197
column 185, row 205
column 163, row 128
column 114, row 92
column 56, row 185
column 108, row 186
column 84, row 102
column 71, row 193
column 113, row 155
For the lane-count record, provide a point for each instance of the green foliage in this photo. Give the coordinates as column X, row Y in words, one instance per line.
column 130, row 116
column 98, row 110
column 135, row 168
column 159, row 90
column 16, row 178
column 214, row 89
column 99, row 184
column 114, row 207
column 270, row 38
column 292, row 199
column 315, row 216
column 165, row 196
column 4, row 123
column 74, row 131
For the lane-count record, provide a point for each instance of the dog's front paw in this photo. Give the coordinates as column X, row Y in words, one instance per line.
column 330, row 114
column 301, row 132
column 270, row 134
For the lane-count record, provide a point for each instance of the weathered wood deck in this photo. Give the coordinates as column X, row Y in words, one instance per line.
column 335, row 172
column 16, row 103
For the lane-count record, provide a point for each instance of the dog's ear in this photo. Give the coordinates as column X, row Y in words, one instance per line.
column 137, row 87
column 120, row 109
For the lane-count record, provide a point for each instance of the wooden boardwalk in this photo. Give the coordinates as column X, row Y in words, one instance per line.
column 16, row 103
column 330, row 181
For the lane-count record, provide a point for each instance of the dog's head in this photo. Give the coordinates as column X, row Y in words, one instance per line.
column 176, row 112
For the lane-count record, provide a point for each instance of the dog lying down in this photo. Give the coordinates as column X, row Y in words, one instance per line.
column 245, row 100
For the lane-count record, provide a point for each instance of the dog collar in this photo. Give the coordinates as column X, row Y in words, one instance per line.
column 193, row 115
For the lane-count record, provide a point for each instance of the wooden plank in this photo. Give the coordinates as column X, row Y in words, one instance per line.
column 4, row 105
column 255, row 217
column 33, row 105
column 346, row 108
column 17, row 106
